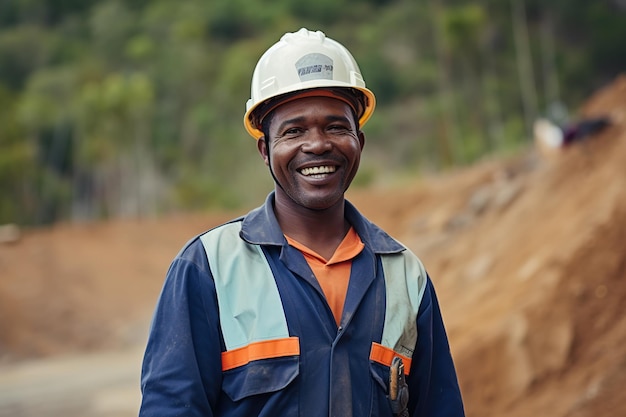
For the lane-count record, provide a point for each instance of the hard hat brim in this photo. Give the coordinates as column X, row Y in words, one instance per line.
column 368, row 108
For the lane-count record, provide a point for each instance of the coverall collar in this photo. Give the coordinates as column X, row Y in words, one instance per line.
column 261, row 227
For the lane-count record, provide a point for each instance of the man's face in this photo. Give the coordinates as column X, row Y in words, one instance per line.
column 314, row 150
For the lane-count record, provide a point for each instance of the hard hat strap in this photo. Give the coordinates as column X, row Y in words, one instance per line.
column 269, row 160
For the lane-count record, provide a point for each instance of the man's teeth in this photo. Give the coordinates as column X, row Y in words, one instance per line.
column 318, row 170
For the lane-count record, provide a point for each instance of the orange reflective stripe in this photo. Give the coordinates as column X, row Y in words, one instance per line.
column 384, row 355
column 260, row 350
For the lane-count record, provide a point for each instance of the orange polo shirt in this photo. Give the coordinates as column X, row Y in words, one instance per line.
column 333, row 275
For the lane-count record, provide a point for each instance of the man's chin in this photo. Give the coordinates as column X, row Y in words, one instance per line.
column 322, row 204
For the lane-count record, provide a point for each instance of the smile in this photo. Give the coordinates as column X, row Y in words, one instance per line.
column 327, row 169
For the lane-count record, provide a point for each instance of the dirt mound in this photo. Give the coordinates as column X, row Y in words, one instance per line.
column 527, row 255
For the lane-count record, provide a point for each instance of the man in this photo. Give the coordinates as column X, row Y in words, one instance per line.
column 302, row 307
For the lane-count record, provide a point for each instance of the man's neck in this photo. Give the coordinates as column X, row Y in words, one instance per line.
column 319, row 230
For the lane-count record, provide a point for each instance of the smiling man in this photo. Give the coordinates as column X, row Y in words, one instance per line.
column 302, row 307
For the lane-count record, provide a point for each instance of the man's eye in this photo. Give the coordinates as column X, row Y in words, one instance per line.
column 292, row 131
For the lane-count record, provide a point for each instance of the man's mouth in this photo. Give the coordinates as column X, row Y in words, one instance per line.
column 318, row 172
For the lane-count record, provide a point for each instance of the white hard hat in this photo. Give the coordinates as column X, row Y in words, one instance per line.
column 310, row 63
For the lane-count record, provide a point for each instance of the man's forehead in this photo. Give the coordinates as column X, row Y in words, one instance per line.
column 303, row 103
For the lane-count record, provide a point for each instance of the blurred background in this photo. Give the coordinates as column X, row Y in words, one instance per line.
column 121, row 137
column 134, row 108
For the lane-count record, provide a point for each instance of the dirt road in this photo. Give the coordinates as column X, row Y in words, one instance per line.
column 93, row 385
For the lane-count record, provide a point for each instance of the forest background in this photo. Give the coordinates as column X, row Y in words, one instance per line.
column 134, row 108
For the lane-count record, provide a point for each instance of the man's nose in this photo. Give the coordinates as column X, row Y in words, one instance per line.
column 317, row 142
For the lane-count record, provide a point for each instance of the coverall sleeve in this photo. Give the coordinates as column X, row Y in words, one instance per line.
column 433, row 385
column 181, row 372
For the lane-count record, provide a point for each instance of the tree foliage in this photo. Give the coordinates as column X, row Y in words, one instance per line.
column 134, row 107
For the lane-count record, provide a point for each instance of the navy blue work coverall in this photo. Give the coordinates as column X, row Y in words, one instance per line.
column 333, row 375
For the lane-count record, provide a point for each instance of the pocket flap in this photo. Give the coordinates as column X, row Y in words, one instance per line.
column 260, row 377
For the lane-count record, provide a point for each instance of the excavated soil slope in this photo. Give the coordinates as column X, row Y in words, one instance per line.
column 528, row 255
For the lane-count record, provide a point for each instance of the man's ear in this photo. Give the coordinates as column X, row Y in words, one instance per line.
column 361, row 139
column 261, row 145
